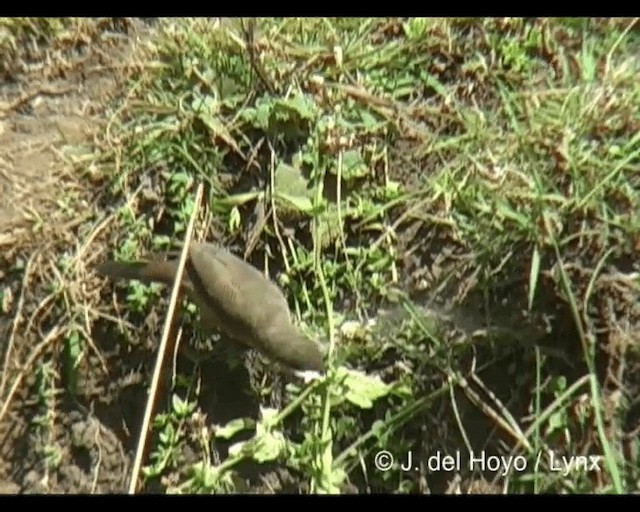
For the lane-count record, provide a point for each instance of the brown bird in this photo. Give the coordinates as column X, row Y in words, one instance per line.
column 234, row 297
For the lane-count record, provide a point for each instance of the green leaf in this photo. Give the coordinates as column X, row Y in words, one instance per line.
column 269, row 447
column 338, row 478
column 556, row 421
column 509, row 213
column 265, row 447
column 73, row 349
column 292, row 189
column 167, row 435
column 267, row 415
column 353, row 165
column 237, row 448
column 300, row 203
column 299, row 103
column 329, row 225
column 392, row 189
column 234, row 219
column 289, row 180
column 181, row 407
column 362, row 390
column 533, row 275
column 207, row 474
column 258, row 117
column 237, row 199
column 415, row 28
column 233, row 427
column 368, row 120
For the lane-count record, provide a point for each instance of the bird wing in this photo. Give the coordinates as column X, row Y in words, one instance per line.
column 246, row 302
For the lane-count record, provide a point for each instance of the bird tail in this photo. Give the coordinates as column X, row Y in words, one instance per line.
column 147, row 271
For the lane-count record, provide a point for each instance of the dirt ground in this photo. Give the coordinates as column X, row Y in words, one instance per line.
column 53, row 441
column 46, row 107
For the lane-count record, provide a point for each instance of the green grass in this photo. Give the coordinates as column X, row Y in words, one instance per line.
column 475, row 178
column 513, row 143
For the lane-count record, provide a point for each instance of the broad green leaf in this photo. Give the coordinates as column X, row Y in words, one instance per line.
column 353, row 165
column 329, row 226
column 362, row 390
column 233, row 427
column 302, row 105
column 181, row 407
column 237, row 448
column 289, row 180
column 269, row 447
column 267, row 414
column 300, row 203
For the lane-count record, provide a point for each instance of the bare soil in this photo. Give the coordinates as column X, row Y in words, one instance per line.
column 51, row 440
column 47, row 107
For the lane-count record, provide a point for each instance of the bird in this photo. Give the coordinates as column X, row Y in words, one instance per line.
column 233, row 297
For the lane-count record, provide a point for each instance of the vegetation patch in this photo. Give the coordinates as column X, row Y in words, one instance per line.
column 449, row 205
